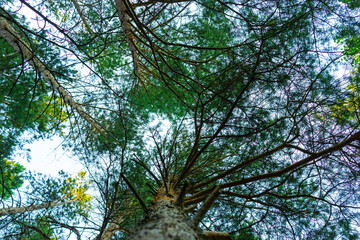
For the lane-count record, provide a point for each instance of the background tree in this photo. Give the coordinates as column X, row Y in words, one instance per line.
column 49, row 209
column 28, row 111
column 11, row 177
column 212, row 119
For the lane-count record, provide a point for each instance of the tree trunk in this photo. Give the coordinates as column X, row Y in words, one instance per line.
column 166, row 221
column 15, row 210
column 166, row 218
column 15, row 40
column 123, row 14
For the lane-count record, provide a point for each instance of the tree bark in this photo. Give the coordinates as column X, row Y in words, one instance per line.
column 166, row 222
column 122, row 11
column 111, row 229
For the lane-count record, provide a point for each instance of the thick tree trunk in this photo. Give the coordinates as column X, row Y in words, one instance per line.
column 166, row 218
column 166, row 221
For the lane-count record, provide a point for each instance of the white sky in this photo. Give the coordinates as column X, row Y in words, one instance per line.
column 48, row 157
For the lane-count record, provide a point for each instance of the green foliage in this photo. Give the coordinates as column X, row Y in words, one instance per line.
column 75, row 189
column 11, row 177
column 349, row 36
column 27, row 105
column 247, row 87
column 352, row 4
column 246, row 234
column 40, row 228
column 345, row 110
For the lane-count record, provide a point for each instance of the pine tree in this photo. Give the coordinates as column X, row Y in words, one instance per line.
column 195, row 120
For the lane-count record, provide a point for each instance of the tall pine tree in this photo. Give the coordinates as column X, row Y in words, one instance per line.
column 195, row 119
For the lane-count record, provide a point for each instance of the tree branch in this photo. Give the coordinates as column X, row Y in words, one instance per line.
column 111, row 229
column 140, row 4
column 72, row 228
column 206, row 206
column 180, row 199
column 122, row 11
column 209, row 235
column 240, row 165
column 15, row 210
column 335, row 147
column 83, row 18
column 142, row 203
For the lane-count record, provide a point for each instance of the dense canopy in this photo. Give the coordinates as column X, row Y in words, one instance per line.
column 238, row 119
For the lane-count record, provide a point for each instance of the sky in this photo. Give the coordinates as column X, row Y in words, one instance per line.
column 48, row 157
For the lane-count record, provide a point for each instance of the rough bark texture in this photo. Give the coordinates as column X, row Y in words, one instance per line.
column 168, row 220
column 165, row 221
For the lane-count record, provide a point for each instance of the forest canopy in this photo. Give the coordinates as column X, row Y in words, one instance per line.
column 203, row 119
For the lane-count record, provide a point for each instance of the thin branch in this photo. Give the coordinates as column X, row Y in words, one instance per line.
column 72, row 228
column 335, row 147
column 152, row 190
column 190, row 209
column 83, row 18
column 44, row 235
column 142, row 203
column 206, row 206
column 240, row 165
column 147, row 169
column 112, row 229
column 192, row 158
column 140, row 4
column 195, row 200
